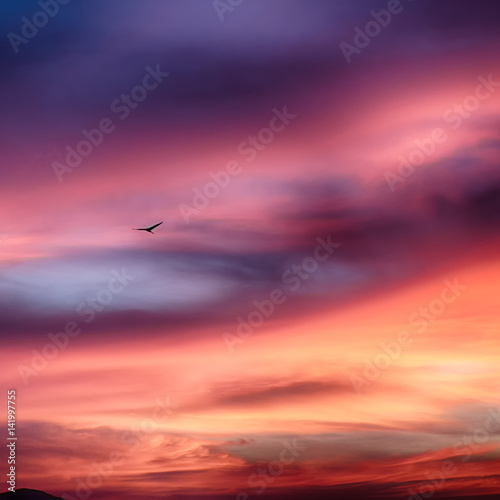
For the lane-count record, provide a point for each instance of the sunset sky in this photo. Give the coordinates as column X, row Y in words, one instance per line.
column 322, row 323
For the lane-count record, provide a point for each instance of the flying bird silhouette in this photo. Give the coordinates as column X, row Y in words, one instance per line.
column 148, row 229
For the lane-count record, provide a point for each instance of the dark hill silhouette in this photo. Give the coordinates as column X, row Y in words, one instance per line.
column 27, row 494
column 333, row 493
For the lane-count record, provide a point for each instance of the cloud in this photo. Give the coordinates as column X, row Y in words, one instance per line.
column 279, row 394
column 377, row 235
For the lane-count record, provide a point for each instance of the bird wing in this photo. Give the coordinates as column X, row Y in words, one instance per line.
column 156, row 225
